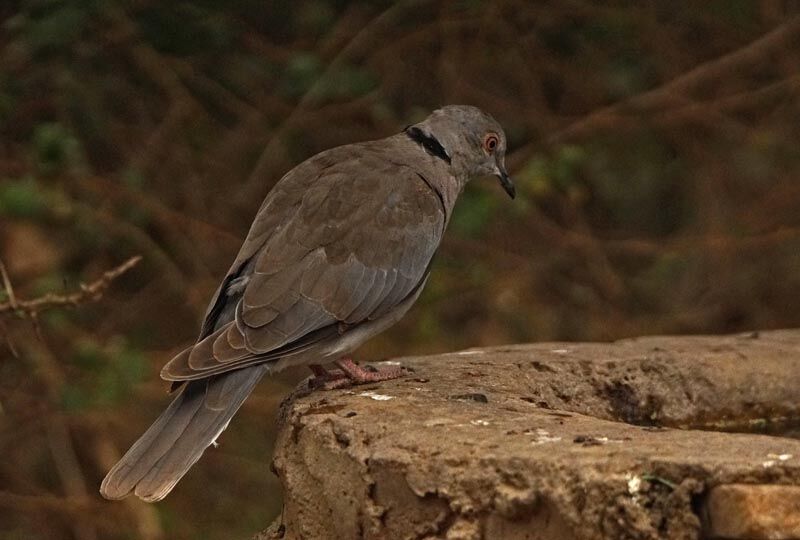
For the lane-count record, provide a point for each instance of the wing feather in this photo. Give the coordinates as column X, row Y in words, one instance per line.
column 345, row 247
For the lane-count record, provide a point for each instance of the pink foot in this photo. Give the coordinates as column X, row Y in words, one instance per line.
column 350, row 373
column 359, row 375
column 327, row 380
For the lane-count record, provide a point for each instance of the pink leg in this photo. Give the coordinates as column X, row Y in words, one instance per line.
column 359, row 375
column 326, row 379
column 351, row 373
column 318, row 370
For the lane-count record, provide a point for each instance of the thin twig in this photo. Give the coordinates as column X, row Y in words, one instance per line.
column 35, row 503
column 87, row 293
column 69, row 472
column 12, row 299
column 4, row 334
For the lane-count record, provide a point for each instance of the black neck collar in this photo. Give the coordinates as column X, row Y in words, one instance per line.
column 428, row 142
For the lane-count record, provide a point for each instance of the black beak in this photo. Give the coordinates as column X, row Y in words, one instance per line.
column 507, row 183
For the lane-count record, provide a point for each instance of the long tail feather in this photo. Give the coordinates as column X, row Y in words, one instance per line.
column 177, row 439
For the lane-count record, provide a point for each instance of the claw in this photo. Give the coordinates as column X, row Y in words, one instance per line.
column 350, row 373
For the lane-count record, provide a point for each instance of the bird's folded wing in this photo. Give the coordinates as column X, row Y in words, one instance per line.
column 334, row 252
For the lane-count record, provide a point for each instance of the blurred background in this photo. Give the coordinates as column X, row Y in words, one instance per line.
column 654, row 146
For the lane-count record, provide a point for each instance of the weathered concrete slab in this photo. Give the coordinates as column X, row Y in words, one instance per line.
column 769, row 512
column 545, row 441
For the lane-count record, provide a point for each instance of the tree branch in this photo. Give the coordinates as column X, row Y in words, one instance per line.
column 87, row 293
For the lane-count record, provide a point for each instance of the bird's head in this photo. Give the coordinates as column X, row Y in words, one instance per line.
column 469, row 140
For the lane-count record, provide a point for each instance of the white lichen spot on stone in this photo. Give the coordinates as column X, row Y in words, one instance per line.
column 560, row 351
column 390, row 363
column 479, row 422
column 470, row 352
column 543, row 436
column 376, row 397
column 606, row 440
column 769, row 463
column 435, row 422
column 634, row 483
column 780, row 457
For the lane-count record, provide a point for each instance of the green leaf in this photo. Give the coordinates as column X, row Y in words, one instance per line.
column 565, row 165
column 55, row 148
column 21, row 198
column 131, row 365
column 473, row 214
column 55, row 29
column 302, row 72
column 314, row 17
column 74, row 398
column 133, row 178
column 88, row 355
column 653, row 479
column 534, row 178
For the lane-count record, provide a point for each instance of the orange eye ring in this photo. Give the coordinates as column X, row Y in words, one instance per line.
column 490, row 142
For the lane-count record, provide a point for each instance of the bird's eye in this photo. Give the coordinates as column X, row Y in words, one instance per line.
column 490, row 142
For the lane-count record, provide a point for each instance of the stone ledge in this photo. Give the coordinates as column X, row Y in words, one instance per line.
column 753, row 511
column 549, row 441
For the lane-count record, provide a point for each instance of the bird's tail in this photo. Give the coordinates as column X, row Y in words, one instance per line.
column 177, row 439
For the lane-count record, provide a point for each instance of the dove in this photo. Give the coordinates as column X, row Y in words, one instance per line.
column 339, row 251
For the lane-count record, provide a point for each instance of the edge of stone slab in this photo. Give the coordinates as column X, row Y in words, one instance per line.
column 329, row 423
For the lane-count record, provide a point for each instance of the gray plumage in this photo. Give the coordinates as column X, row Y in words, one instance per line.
column 338, row 252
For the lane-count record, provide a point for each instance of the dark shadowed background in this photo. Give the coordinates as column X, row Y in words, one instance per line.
column 655, row 147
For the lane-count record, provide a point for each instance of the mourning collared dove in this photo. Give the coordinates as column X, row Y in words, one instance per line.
column 338, row 252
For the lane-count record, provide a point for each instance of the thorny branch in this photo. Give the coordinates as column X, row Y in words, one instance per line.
column 87, row 293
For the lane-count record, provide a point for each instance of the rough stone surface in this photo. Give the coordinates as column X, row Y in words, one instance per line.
column 754, row 512
column 545, row 441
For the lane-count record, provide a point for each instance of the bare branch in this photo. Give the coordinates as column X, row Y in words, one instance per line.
column 12, row 299
column 7, row 339
column 676, row 91
column 34, row 503
column 87, row 293
column 70, row 473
